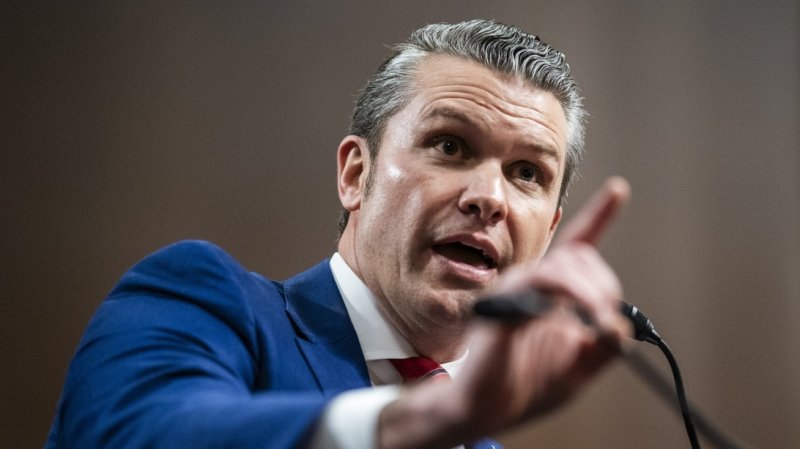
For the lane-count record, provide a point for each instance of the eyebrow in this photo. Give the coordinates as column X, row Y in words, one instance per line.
column 547, row 151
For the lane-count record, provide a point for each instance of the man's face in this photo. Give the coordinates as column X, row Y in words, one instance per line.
column 466, row 184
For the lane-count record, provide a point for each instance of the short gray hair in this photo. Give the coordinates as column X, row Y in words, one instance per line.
column 500, row 47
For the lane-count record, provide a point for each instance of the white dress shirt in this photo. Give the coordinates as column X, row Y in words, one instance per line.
column 350, row 420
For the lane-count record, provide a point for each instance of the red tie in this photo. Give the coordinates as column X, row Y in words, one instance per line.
column 419, row 369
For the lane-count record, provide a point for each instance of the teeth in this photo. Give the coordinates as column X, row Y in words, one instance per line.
column 485, row 254
column 487, row 257
column 483, row 251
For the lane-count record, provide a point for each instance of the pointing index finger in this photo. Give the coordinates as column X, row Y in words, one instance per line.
column 591, row 221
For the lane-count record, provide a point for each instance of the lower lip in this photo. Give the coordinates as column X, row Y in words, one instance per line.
column 465, row 272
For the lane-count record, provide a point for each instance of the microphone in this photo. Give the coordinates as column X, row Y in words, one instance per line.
column 531, row 303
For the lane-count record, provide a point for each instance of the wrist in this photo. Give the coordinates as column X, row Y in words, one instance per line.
column 428, row 416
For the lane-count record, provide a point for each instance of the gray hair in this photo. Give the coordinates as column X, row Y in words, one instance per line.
column 500, row 47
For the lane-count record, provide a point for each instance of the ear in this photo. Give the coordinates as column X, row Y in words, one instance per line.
column 352, row 162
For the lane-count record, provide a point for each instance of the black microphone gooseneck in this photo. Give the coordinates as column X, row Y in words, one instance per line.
column 643, row 330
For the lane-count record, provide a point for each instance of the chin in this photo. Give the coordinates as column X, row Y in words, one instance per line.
column 451, row 309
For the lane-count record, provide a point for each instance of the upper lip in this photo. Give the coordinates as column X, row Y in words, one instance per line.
column 477, row 241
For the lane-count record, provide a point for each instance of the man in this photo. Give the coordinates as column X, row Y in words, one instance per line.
column 462, row 147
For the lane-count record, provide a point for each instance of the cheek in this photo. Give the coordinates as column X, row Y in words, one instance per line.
column 395, row 205
column 532, row 236
column 410, row 190
column 394, row 173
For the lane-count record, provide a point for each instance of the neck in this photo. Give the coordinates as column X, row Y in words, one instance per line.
column 431, row 340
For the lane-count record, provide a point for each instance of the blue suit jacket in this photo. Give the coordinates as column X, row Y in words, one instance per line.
column 190, row 350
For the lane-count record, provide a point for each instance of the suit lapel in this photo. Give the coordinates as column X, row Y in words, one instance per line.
column 325, row 334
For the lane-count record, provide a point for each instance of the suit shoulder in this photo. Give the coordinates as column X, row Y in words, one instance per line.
column 191, row 252
column 200, row 273
column 190, row 261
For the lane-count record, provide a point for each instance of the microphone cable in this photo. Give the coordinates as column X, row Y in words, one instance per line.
column 531, row 303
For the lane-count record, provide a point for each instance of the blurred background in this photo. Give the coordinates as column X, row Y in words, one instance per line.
column 130, row 125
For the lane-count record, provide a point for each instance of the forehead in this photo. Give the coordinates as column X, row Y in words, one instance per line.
column 445, row 82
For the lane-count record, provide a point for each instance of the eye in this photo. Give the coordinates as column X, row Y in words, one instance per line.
column 527, row 172
column 449, row 145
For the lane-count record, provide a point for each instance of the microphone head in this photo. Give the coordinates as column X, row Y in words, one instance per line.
column 643, row 329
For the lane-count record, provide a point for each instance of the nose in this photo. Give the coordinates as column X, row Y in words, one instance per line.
column 484, row 194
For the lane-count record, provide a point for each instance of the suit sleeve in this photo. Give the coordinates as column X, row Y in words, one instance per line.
column 171, row 360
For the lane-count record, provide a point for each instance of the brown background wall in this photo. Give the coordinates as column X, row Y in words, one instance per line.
column 128, row 126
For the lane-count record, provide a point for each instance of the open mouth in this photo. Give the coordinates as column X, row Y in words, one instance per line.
column 466, row 254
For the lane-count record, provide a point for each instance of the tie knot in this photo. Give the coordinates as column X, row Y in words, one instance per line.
column 419, row 369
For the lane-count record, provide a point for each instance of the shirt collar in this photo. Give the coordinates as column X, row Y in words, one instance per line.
column 378, row 337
